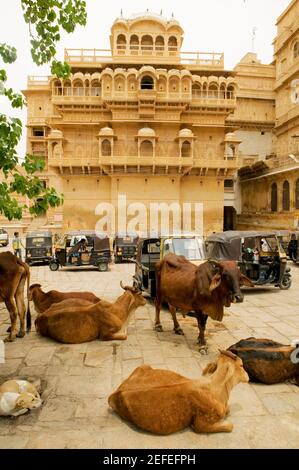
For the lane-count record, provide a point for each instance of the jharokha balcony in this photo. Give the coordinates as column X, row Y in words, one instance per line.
column 143, row 54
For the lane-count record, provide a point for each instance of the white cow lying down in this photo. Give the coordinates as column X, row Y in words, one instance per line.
column 17, row 397
column 163, row 402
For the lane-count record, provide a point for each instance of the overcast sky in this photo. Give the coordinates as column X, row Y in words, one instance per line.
column 209, row 25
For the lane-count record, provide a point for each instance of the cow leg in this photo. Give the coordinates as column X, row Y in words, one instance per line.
column 200, row 425
column 177, row 329
column 19, row 297
column 158, row 326
column 201, row 321
column 11, row 307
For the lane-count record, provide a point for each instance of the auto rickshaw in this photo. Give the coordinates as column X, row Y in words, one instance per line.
column 82, row 248
column 293, row 249
column 152, row 250
column 38, row 247
column 259, row 254
column 125, row 247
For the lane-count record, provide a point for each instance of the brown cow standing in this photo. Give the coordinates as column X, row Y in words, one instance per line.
column 204, row 289
column 13, row 275
column 44, row 300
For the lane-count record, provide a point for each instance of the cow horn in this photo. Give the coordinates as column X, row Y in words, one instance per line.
column 122, row 286
column 228, row 354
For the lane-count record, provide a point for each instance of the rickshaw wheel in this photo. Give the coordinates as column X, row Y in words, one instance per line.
column 102, row 266
column 285, row 283
column 53, row 265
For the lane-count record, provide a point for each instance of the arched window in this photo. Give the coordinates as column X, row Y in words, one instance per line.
column 186, row 149
column 134, row 42
column 274, row 197
column 121, row 41
column 57, row 90
column 223, row 91
column 147, row 43
column 78, row 89
column 286, row 196
column 147, row 83
column 296, row 50
column 159, row 43
column 146, row 148
column 172, row 43
column 196, row 90
column 230, row 92
column 213, row 91
column 297, row 194
column 95, row 89
column 106, row 148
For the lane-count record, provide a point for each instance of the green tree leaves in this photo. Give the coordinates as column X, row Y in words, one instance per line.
column 45, row 19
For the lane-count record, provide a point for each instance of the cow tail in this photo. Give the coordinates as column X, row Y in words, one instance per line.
column 28, row 314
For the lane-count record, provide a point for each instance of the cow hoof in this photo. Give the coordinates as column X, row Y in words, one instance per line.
column 21, row 334
column 179, row 331
column 10, row 338
column 158, row 328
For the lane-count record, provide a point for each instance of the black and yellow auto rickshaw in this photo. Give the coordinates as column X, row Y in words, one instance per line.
column 82, row 248
column 125, row 247
column 152, row 250
column 38, row 247
column 259, row 254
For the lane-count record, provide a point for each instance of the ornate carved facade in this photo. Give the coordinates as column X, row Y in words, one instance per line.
column 276, row 178
column 145, row 119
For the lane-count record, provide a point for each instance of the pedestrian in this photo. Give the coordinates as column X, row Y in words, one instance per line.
column 16, row 245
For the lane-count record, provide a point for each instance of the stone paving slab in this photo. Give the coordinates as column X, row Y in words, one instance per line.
column 77, row 379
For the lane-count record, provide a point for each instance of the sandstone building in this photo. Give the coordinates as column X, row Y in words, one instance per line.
column 153, row 123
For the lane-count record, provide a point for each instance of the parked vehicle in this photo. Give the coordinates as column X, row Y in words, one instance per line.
column 3, row 237
column 259, row 254
column 82, row 248
column 125, row 247
column 38, row 247
column 152, row 250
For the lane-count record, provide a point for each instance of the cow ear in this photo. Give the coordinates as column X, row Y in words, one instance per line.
column 216, row 281
column 244, row 281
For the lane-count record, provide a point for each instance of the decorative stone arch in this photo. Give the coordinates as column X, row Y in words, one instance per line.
column 173, row 84
column 147, row 42
column 231, row 91
column 55, row 144
column 273, row 197
column 222, row 90
column 172, row 44
column 56, row 86
column 286, row 196
column 196, row 89
column 186, row 84
column 146, row 148
column 159, row 44
column 121, row 42
column 95, row 87
column 134, row 42
column 186, row 143
column 119, row 82
column 67, row 88
column 106, row 142
column 162, row 84
column 78, row 87
column 132, row 82
column 147, row 82
column 213, row 90
column 146, row 139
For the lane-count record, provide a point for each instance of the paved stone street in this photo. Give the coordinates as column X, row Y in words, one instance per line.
column 77, row 379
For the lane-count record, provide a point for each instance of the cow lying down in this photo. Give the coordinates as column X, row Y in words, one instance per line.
column 267, row 361
column 44, row 300
column 78, row 321
column 163, row 402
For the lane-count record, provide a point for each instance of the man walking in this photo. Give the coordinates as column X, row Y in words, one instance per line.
column 16, row 245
